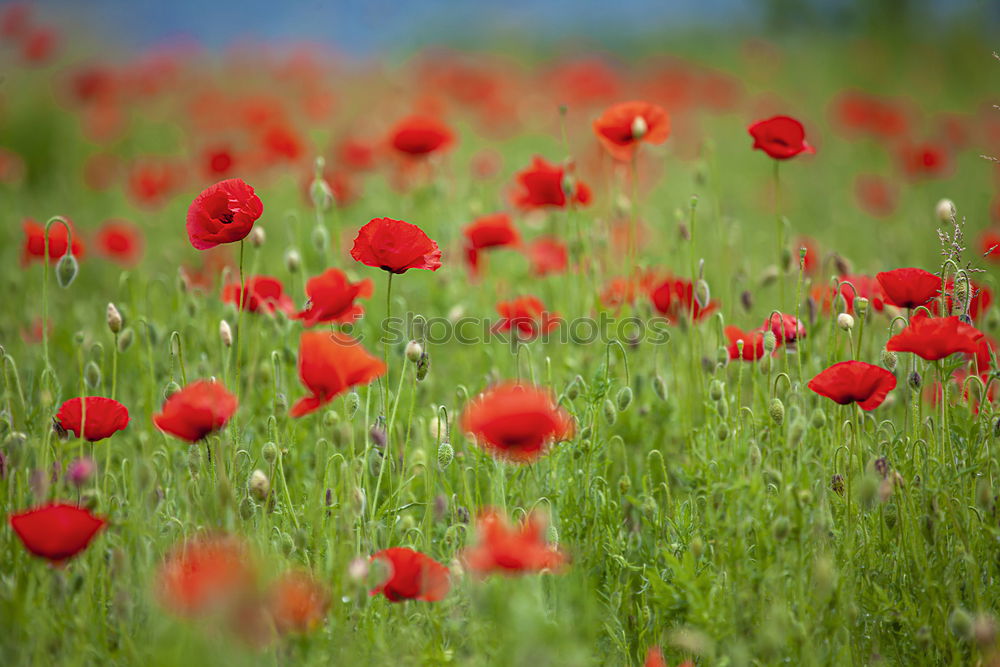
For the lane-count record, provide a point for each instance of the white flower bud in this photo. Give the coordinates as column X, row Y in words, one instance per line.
column 259, row 485
column 945, row 210
column 293, row 260
column 845, row 321
column 225, row 333
column 639, row 127
column 114, row 319
column 413, row 351
column 257, row 237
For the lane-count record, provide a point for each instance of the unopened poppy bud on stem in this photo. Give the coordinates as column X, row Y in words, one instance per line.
column 860, row 306
column 293, row 260
column 413, row 351
column 845, row 321
column 945, row 210
column 259, row 485
column 225, row 333
column 114, row 319
column 257, row 237
column 639, row 127
column 66, row 270
column 770, row 341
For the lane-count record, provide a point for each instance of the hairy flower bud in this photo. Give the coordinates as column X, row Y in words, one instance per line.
column 126, row 339
column 353, row 402
column 66, row 270
column 269, row 452
column 624, row 398
column 776, row 409
column 845, row 321
column 610, row 413
column 413, row 351
column 92, row 374
column 770, row 341
column 293, row 260
column 945, row 210
column 225, row 333
column 889, row 360
column 320, row 238
column 660, row 387
column 257, row 237
column 114, row 319
column 259, row 485
column 715, row 390
column 445, row 454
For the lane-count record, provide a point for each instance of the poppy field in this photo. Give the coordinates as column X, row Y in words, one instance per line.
column 679, row 355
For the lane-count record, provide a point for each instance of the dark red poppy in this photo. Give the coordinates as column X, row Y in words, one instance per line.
column 120, row 242
column 330, row 363
column 781, row 137
column 526, row 316
column 854, row 382
column 298, row 603
column 34, row 242
column 56, row 531
column 419, row 136
column 489, row 231
column 785, row 327
column 395, row 246
column 508, row 549
column 331, row 298
column 261, row 294
column 206, row 574
column 105, row 416
column 197, row 410
column 674, row 299
column 934, row 338
column 516, row 421
column 412, row 576
column 876, row 195
column 223, row 213
column 925, row 160
column 544, row 185
column 547, row 256
column 908, row 287
column 753, row 343
column 622, row 127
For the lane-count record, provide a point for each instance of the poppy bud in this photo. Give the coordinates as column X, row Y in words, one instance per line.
column 413, row 351
column 353, row 401
column 567, row 184
column 624, row 398
column 722, row 407
column 446, row 454
column 818, row 420
column 889, row 360
column 715, row 390
column 377, row 435
column 320, row 238
column 610, row 413
column 786, row 260
column 358, row 501
column 776, row 410
column 423, row 366
column 746, row 300
column 845, row 321
column 80, row 471
column 114, row 319
column 945, row 210
column 225, row 333
column 170, row 389
column 639, row 127
column 960, row 297
column 860, row 306
column 660, row 387
column 753, row 455
column 702, row 296
column 764, row 364
column 797, row 431
column 770, row 341
column 330, row 418
column 780, row 528
column 92, row 374
column 259, row 485
column 914, row 380
column 722, row 356
column 960, row 623
column 321, row 194
column 66, row 270
column 280, row 403
column 293, row 260
column 269, row 452
column 837, row 484
column 984, row 631
column 722, row 433
column 572, row 390
column 125, row 339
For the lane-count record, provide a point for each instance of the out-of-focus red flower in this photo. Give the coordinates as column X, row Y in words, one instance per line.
column 547, row 256
column 526, row 316
column 516, row 422
column 812, row 259
column 213, row 263
column 781, row 137
column 986, row 349
column 261, row 294
column 120, row 242
column 785, row 327
column 355, row 154
column 395, row 246
column 218, row 161
column 197, row 410
column 330, row 363
column 151, row 182
column 101, row 171
column 875, row 194
column 420, row 136
column 753, row 343
column 859, row 113
column 989, row 245
column 622, row 127
column 583, row 82
column 486, row 164
column 854, row 382
column 34, row 242
column 980, row 299
column 488, row 231
column 15, row 20
column 544, row 185
column 331, row 298
column 863, row 286
column 934, row 338
column 281, row 143
column 908, row 287
column 12, row 167
column 223, row 213
column 621, row 290
column 508, row 549
column 205, row 575
column 298, row 603
column 924, row 160
column 56, row 531
column 674, row 299
column 412, row 576
column 39, row 45
column 105, row 416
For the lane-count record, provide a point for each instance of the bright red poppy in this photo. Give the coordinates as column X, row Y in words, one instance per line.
column 622, row 127
column 934, row 338
column 508, row 549
column 547, row 256
column 330, row 363
column 489, row 231
column 206, row 574
column 674, row 299
column 223, row 213
column 412, row 576
column 34, row 242
column 395, row 246
column 331, row 298
column 781, row 137
column 419, row 136
column 104, row 417
column 56, row 531
column 908, row 287
column 262, row 294
column 854, row 382
column 526, row 316
column 197, row 410
column 120, row 242
column 516, row 421
column 298, row 603
column 753, row 343
column 545, row 185
column 785, row 327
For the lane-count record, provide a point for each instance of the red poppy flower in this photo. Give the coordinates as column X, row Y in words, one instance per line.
column 547, row 256
column 395, row 246
column 934, row 338
column 413, row 576
column 909, row 287
column 298, row 603
column 674, row 299
column 786, row 328
column 120, row 242
column 223, row 213
column 863, row 286
column 986, row 349
column 280, row 143
column 527, row 316
column 489, row 231
column 812, row 259
column 198, row 409
column 56, row 531
column 781, row 137
column 543, row 184
column 981, row 299
column 753, row 343
column 104, row 416
column 516, row 421
column 15, row 20
column 419, row 136
column 34, row 242
column 924, row 161
column 858, row 112
column 623, row 126
column 620, row 290
column 331, row 298
column 204, row 575
column 854, row 382
column 355, row 154
column 261, row 294
column 989, row 245
column 218, row 161
column 330, row 363
column 875, row 194
column 39, row 45
column 511, row 549
column 152, row 181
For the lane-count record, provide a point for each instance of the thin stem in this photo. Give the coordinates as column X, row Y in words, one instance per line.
column 239, row 324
